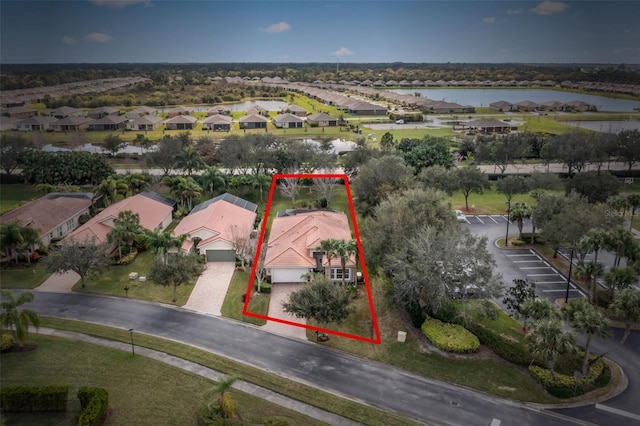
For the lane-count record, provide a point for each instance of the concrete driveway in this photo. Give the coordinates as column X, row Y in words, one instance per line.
column 279, row 294
column 211, row 288
column 59, row 283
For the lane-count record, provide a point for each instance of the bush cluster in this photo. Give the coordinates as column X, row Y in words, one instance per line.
column 34, row 398
column 508, row 349
column 6, row 342
column 450, row 337
column 127, row 258
column 566, row 386
column 264, row 287
column 94, row 403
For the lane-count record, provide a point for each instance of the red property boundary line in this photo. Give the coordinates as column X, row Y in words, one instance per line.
column 374, row 320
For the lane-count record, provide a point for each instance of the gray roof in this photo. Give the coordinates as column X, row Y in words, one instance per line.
column 253, row 118
column 72, row 121
column 287, row 118
column 182, row 119
column 218, row 119
column 248, row 205
column 321, row 116
column 159, row 198
column 110, row 119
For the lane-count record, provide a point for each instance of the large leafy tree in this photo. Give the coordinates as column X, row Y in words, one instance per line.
column 468, row 180
column 178, row 270
column 438, row 177
column 596, row 187
column 112, row 144
column 425, row 152
column 519, row 293
column 68, row 168
column 626, row 306
column 85, row 258
column 584, row 318
column 164, row 156
column 12, row 148
column 501, row 151
column 628, row 147
column 568, row 148
column 321, row 300
column 18, row 319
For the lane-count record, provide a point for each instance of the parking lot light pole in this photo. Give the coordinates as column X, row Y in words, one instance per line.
column 566, row 297
column 133, row 351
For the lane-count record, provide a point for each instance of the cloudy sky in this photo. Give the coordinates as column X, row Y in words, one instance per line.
column 319, row 31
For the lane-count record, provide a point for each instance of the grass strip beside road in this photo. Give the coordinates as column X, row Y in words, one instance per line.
column 310, row 395
column 233, row 302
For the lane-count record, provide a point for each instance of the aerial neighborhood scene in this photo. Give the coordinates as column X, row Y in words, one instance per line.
column 320, row 212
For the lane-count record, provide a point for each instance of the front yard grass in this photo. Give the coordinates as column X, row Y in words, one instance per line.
column 115, row 278
column 141, row 390
column 23, row 275
column 232, row 305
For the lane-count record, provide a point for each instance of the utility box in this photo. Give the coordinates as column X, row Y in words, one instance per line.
column 402, row 336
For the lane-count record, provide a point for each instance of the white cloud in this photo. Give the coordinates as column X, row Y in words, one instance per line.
column 342, row 52
column 98, row 37
column 116, row 4
column 277, row 28
column 68, row 40
column 489, row 20
column 548, row 7
column 515, row 11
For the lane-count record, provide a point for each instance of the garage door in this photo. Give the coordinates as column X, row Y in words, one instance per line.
column 221, row 256
column 288, row 275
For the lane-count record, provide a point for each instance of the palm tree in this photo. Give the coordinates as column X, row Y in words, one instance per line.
column 520, row 212
column 110, row 188
column 125, row 231
column 626, row 306
column 343, row 251
column 619, row 279
column 30, row 237
column 328, row 247
column 535, row 309
column 162, row 242
column 11, row 238
column 137, row 182
column 633, row 202
column 548, row 341
column 188, row 160
column 227, row 406
column 584, row 318
column 261, row 181
column 594, row 240
column 212, row 178
column 591, row 270
column 16, row 319
column 621, row 242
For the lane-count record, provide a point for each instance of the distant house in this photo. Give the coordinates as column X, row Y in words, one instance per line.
column 578, row 106
column 54, row 215
column 527, row 106
column 490, row 125
column 253, row 121
column 37, row 123
column 551, row 106
column 502, row 106
column 144, row 123
column 65, row 111
column 295, row 110
column 181, row 122
column 322, row 119
column 99, row 113
column 71, row 123
column 153, row 209
column 142, row 111
column 179, row 110
column 366, row 108
column 218, row 109
column 8, row 123
column 110, row 122
column 442, row 107
column 217, row 122
column 19, row 112
column 288, row 121
column 257, row 110
column 292, row 249
column 214, row 227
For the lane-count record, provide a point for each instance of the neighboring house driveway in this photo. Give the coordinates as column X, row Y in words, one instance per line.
column 211, row 288
column 59, row 283
column 279, row 294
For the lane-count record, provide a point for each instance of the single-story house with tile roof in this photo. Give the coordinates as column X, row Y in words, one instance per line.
column 110, row 122
column 19, row 112
column 366, row 108
column 551, row 105
column 179, row 110
column 214, row 227
column 321, row 119
column 490, row 125
column 292, row 249
column 142, row 111
column 217, row 122
column 145, row 122
column 153, row 209
column 71, row 123
column 253, row 121
column 295, row 110
column 39, row 122
column 579, row 106
column 99, row 113
column 181, row 122
column 53, row 215
column 527, row 106
column 501, row 106
column 65, row 111
column 257, row 110
column 287, row 121
column 219, row 109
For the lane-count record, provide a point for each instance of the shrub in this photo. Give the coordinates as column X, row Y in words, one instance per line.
column 128, row 258
column 508, row 349
column 34, row 398
column 6, row 342
column 416, row 315
column 450, row 337
column 517, row 242
column 264, row 287
column 566, row 386
column 94, row 403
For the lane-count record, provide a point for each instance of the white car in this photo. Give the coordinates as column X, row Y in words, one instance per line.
column 460, row 216
column 399, row 121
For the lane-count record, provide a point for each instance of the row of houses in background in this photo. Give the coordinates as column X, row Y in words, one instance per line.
column 530, row 106
column 146, row 118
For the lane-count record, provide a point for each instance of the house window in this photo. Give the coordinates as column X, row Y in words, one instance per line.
column 59, row 231
column 336, row 274
column 70, row 225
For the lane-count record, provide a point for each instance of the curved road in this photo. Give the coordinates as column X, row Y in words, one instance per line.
column 373, row 383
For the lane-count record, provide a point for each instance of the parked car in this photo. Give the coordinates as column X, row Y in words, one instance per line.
column 399, row 121
column 460, row 216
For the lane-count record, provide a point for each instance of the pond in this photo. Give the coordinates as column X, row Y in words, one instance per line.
column 484, row 97
column 614, row 127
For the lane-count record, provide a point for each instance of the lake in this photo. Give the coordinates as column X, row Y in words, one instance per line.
column 483, row 97
column 606, row 126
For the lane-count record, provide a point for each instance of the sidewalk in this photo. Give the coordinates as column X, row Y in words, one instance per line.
column 258, row 391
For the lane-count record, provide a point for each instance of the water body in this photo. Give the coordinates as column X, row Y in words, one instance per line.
column 88, row 147
column 483, row 97
column 240, row 106
column 614, row 127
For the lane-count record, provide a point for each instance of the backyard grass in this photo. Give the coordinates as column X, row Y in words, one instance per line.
column 310, row 395
column 142, row 391
column 115, row 278
column 233, row 302
column 14, row 195
column 23, row 275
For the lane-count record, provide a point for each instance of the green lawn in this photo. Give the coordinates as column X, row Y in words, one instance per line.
column 232, row 305
column 489, row 202
column 142, row 391
column 14, row 195
column 115, row 278
column 23, row 276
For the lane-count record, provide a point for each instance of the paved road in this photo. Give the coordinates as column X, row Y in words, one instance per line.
column 368, row 381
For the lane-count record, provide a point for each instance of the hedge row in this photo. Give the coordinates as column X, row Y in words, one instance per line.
column 94, row 403
column 34, row 398
column 508, row 349
column 450, row 337
column 565, row 386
